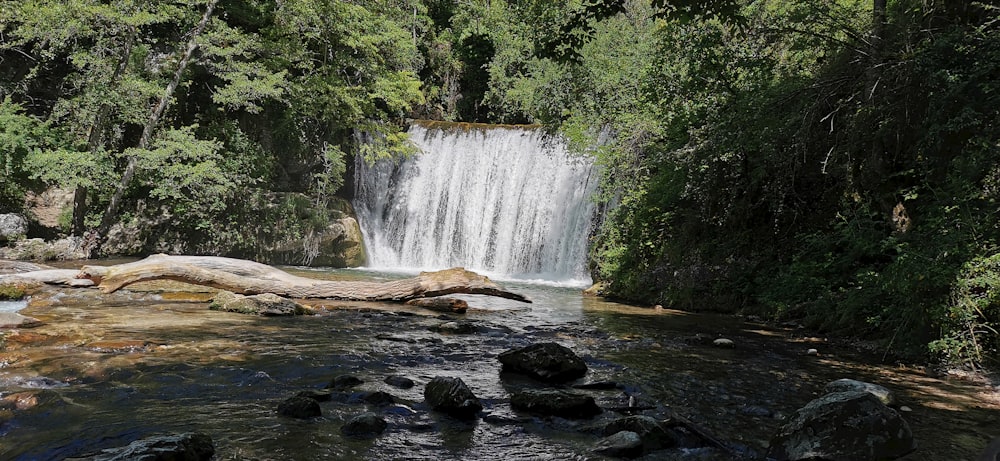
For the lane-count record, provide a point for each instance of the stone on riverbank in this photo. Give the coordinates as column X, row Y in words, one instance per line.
column 452, row 396
column 547, row 362
column 844, row 385
column 181, row 447
column 36, row 249
column 266, row 304
column 853, row 426
column 555, row 402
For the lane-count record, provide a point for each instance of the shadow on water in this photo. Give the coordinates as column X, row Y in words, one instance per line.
column 105, row 370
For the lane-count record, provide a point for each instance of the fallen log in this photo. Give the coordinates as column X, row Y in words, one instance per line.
column 43, row 276
column 250, row 278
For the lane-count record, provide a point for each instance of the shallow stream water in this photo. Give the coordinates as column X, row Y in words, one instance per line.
column 104, row 370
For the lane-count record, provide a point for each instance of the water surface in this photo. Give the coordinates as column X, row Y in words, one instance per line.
column 104, row 370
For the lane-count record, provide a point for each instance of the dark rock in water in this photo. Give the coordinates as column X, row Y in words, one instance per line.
column 653, row 435
column 399, row 381
column 344, row 382
column 548, row 362
column 456, row 328
column 365, row 425
column 181, row 447
column 555, row 402
column 452, row 396
column 378, row 398
column 317, row 395
column 267, row 304
column 853, row 426
column 756, row 410
column 624, row 444
column 844, row 385
column 299, row 407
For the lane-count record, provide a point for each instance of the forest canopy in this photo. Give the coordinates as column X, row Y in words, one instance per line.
column 834, row 163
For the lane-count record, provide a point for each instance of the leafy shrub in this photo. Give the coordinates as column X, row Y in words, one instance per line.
column 970, row 326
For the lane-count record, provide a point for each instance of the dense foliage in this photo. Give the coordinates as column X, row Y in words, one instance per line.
column 829, row 162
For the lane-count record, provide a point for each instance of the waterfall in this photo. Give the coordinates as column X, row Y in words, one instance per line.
column 508, row 201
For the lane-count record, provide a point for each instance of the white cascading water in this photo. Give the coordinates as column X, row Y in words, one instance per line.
column 508, row 201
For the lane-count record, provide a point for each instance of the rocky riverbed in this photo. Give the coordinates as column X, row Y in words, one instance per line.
column 101, row 371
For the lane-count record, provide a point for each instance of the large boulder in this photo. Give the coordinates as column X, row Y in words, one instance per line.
column 339, row 244
column 555, row 402
column 843, row 426
column 181, row 447
column 12, row 227
column 452, row 396
column 547, row 362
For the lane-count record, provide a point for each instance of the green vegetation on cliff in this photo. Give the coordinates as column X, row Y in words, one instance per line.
column 830, row 162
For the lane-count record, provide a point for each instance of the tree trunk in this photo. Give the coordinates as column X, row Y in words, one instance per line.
column 111, row 213
column 95, row 139
column 248, row 277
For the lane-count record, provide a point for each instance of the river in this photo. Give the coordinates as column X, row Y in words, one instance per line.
column 104, row 370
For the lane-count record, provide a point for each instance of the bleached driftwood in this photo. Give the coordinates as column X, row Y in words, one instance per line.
column 248, row 277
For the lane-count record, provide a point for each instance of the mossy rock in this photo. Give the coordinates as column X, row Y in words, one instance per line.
column 12, row 291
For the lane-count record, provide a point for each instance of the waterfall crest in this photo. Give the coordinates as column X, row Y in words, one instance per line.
column 507, row 201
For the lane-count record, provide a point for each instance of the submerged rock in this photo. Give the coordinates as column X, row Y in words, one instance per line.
column 844, row 426
column 323, row 395
column 653, row 435
column 452, row 396
column 724, row 343
column 267, row 304
column 342, row 382
column 555, row 402
column 15, row 320
column 844, row 385
column 364, row 425
column 456, row 328
column 548, row 362
column 181, row 447
column 377, row 398
column 300, row 407
column 624, row 444
column 401, row 382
